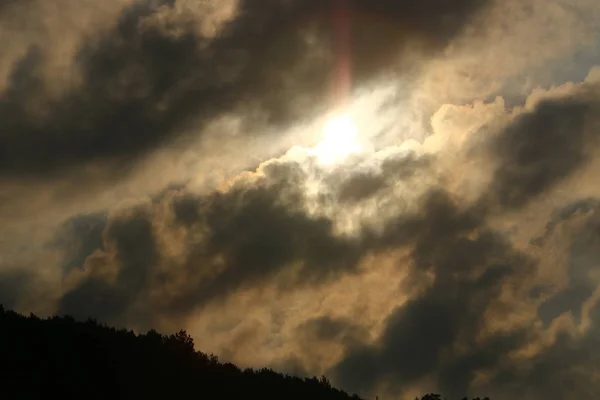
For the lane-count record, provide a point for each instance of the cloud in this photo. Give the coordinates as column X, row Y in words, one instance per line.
column 79, row 237
column 224, row 249
column 143, row 83
column 250, row 253
column 580, row 221
column 465, row 308
column 466, row 305
column 12, row 286
column 582, row 206
column 356, row 185
column 564, row 365
column 118, row 275
column 470, row 265
column 183, row 251
column 464, row 262
column 121, row 110
column 332, row 329
column 542, row 147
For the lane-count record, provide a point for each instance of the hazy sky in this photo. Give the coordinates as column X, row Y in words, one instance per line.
column 177, row 164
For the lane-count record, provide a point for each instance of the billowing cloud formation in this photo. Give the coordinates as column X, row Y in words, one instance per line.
column 464, row 262
column 143, row 80
column 542, row 147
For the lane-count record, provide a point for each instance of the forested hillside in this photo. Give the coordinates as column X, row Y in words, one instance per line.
column 60, row 356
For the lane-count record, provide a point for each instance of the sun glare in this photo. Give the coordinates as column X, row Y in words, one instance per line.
column 340, row 139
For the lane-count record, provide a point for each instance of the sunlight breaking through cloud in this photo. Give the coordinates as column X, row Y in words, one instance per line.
column 178, row 164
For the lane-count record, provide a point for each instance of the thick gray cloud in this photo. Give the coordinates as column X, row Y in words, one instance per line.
column 582, row 262
column 142, row 84
column 361, row 186
column 556, row 373
column 249, row 230
column 470, row 265
column 240, row 238
column 328, row 329
column 133, row 244
column 130, row 101
column 582, row 206
column 542, row 147
column 567, row 367
column 258, row 230
column 356, row 186
column 79, row 237
column 257, row 237
column 289, row 264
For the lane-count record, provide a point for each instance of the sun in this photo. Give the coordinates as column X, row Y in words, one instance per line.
column 340, row 139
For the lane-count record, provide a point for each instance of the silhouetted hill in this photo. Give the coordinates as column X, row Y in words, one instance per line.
column 59, row 356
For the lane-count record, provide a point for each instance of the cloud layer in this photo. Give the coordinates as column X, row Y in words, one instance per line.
column 140, row 187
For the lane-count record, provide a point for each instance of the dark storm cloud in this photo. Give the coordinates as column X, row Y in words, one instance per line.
column 256, row 237
column 583, row 256
column 187, row 210
column 541, row 148
column 582, row 206
column 134, row 245
column 405, row 166
column 143, row 84
column 332, row 329
column 360, row 187
column 130, row 101
column 356, row 186
column 257, row 229
column 254, row 233
column 437, row 210
column 565, row 369
column 79, row 237
column 236, row 239
column 380, row 29
column 470, row 264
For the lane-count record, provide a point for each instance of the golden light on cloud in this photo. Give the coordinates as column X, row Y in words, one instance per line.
column 306, row 197
column 340, row 139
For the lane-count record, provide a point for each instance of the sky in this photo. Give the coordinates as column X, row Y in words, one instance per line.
column 399, row 195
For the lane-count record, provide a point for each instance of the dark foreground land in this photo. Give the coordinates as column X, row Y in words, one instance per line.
column 62, row 358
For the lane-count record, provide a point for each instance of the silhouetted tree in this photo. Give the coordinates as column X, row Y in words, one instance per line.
column 431, row 396
column 59, row 356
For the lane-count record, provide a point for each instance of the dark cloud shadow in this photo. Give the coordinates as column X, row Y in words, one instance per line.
column 133, row 243
column 470, row 264
column 540, row 149
column 79, row 237
column 584, row 253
